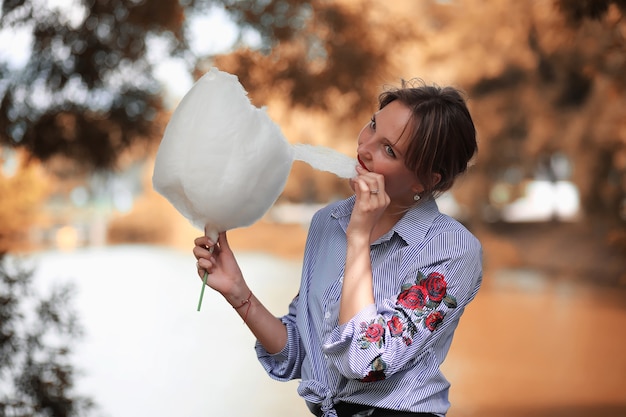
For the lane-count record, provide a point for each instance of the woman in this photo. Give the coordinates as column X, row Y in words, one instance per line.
column 385, row 275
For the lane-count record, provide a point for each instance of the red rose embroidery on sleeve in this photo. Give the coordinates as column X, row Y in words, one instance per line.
column 433, row 320
column 436, row 286
column 378, row 371
column 374, row 376
column 418, row 303
column 374, row 332
column 395, row 326
column 415, row 297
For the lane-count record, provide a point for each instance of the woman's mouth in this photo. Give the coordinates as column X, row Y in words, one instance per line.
column 361, row 163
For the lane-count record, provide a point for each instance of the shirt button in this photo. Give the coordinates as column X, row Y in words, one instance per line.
column 341, row 280
column 327, row 315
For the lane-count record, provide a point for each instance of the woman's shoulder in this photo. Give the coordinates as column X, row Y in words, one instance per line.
column 446, row 227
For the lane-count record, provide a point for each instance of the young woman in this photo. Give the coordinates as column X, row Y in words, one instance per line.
column 386, row 276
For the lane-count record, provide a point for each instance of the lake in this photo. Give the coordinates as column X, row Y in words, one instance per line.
column 527, row 346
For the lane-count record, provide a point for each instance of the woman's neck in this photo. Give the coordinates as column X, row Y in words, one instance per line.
column 390, row 217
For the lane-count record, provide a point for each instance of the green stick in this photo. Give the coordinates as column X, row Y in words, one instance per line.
column 206, row 275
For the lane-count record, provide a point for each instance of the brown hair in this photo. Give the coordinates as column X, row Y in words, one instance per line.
column 442, row 136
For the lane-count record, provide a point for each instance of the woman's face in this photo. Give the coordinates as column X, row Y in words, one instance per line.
column 382, row 146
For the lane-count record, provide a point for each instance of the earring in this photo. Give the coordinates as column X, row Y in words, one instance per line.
column 416, row 197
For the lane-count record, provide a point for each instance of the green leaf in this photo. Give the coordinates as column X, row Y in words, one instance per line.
column 450, row 301
column 379, row 364
column 420, row 277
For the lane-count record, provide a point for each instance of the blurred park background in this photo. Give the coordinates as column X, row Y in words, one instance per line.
column 88, row 86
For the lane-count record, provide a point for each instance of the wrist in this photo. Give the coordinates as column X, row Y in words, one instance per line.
column 243, row 302
column 358, row 240
column 243, row 306
column 238, row 297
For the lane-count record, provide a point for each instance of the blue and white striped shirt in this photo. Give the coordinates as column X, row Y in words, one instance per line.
column 426, row 269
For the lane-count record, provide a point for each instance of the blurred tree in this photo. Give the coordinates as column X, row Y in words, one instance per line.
column 545, row 81
column 35, row 335
column 532, row 68
column 316, row 53
column 567, row 98
column 87, row 91
column 26, row 186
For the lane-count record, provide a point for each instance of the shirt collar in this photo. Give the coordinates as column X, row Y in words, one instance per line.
column 412, row 227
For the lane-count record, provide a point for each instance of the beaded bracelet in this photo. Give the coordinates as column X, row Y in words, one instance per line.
column 243, row 303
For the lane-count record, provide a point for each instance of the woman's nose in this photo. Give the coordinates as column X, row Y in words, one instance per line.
column 363, row 148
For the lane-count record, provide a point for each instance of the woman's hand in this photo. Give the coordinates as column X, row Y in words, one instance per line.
column 219, row 261
column 371, row 202
column 226, row 278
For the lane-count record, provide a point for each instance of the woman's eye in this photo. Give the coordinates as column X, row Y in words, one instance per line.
column 390, row 151
column 373, row 123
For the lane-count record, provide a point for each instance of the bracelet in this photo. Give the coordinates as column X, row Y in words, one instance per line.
column 243, row 303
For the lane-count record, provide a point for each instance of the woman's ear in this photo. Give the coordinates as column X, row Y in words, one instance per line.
column 418, row 188
column 436, row 178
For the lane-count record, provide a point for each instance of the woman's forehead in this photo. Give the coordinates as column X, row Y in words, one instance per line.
column 394, row 121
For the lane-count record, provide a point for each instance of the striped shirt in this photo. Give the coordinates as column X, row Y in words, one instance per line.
column 426, row 269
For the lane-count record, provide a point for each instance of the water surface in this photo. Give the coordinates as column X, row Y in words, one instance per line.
column 527, row 346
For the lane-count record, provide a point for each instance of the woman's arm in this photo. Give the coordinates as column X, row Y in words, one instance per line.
column 226, row 278
column 358, row 290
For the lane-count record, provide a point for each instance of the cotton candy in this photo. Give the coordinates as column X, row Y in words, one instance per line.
column 222, row 162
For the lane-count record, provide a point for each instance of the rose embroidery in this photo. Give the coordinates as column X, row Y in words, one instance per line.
column 435, row 286
column 418, row 303
column 414, row 297
column 374, row 376
column 433, row 320
column 395, row 326
column 373, row 332
column 378, row 371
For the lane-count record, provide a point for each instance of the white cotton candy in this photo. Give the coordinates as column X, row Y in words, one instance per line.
column 222, row 162
column 325, row 159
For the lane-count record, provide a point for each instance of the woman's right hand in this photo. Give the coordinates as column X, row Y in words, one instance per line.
column 225, row 275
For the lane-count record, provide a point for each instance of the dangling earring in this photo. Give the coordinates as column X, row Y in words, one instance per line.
column 416, row 197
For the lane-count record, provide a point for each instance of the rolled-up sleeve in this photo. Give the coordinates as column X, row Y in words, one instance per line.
column 286, row 364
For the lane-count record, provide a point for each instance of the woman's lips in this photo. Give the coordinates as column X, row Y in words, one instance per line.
column 361, row 162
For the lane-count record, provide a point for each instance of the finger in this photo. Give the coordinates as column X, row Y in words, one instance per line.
column 363, row 185
column 201, row 271
column 205, row 265
column 204, row 241
column 222, row 242
column 369, row 187
column 201, row 252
